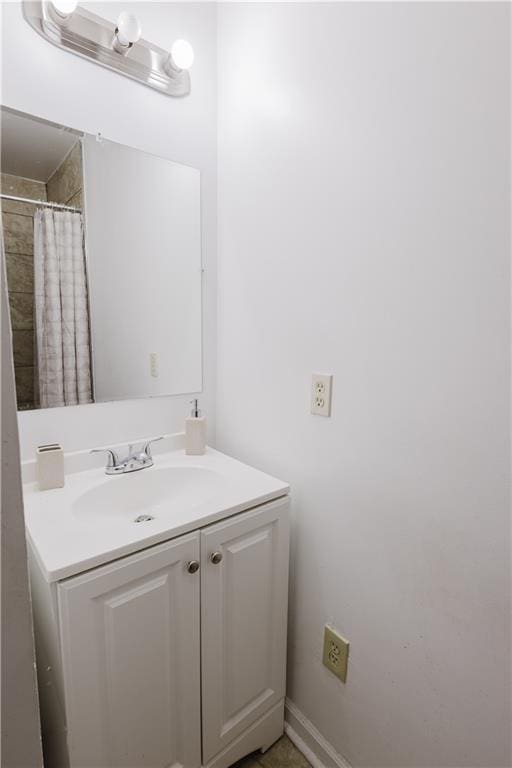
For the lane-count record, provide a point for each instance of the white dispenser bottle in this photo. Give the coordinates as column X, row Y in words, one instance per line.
column 195, row 432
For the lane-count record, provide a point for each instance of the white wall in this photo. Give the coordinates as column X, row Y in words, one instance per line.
column 364, row 231
column 41, row 79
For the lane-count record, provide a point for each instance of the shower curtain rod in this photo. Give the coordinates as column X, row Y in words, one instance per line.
column 16, row 199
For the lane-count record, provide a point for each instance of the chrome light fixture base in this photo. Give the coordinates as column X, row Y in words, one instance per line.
column 88, row 35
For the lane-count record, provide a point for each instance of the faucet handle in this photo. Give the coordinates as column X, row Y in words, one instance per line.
column 113, row 458
column 147, row 445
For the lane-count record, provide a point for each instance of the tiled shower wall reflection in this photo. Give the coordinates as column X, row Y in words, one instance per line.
column 64, row 186
column 18, row 228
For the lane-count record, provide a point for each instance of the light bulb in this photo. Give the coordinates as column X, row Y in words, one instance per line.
column 128, row 29
column 182, row 54
column 64, row 8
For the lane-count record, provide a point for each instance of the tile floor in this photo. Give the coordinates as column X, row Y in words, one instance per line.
column 282, row 755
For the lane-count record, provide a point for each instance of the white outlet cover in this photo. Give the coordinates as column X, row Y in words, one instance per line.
column 321, row 394
column 153, row 364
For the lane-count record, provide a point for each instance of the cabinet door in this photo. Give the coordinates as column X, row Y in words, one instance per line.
column 131, row 660
column 243, row 621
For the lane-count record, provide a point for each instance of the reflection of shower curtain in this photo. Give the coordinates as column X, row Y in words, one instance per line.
column 61, row 313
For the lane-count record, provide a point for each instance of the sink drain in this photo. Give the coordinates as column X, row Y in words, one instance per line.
column 143, row 518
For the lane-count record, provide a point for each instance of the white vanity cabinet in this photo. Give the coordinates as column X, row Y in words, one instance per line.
column 173, row 656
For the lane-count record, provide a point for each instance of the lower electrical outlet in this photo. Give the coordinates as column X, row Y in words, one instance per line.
column 335, row 656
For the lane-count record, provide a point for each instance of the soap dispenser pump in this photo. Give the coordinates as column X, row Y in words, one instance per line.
column 195, row 431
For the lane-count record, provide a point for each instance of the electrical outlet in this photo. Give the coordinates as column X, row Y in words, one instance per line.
column 153, row 364
column 321, row 386
column 335, row 656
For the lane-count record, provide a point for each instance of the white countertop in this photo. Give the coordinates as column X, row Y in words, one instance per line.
column 70, row 533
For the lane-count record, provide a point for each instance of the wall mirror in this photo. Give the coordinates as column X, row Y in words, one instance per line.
column 102, row 245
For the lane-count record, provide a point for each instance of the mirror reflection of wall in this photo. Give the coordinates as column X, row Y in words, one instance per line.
column 103, row 268
column 43, row 163
column 144, row 251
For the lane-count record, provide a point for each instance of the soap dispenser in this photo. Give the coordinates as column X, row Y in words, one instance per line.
column 195, row 432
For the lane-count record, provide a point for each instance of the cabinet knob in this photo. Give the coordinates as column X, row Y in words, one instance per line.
column 193, row 566
column 216, row 557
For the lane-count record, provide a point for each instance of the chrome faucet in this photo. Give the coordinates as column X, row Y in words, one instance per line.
column 137, row 458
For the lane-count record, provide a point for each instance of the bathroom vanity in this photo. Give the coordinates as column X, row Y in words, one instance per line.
column 160, row 611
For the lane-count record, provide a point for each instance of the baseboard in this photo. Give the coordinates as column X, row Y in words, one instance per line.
column 308, row 740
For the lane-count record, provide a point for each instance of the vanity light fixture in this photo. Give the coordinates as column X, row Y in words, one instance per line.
column 117, row 46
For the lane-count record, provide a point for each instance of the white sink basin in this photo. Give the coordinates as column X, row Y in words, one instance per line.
column 92, row 520
column 149, row 492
